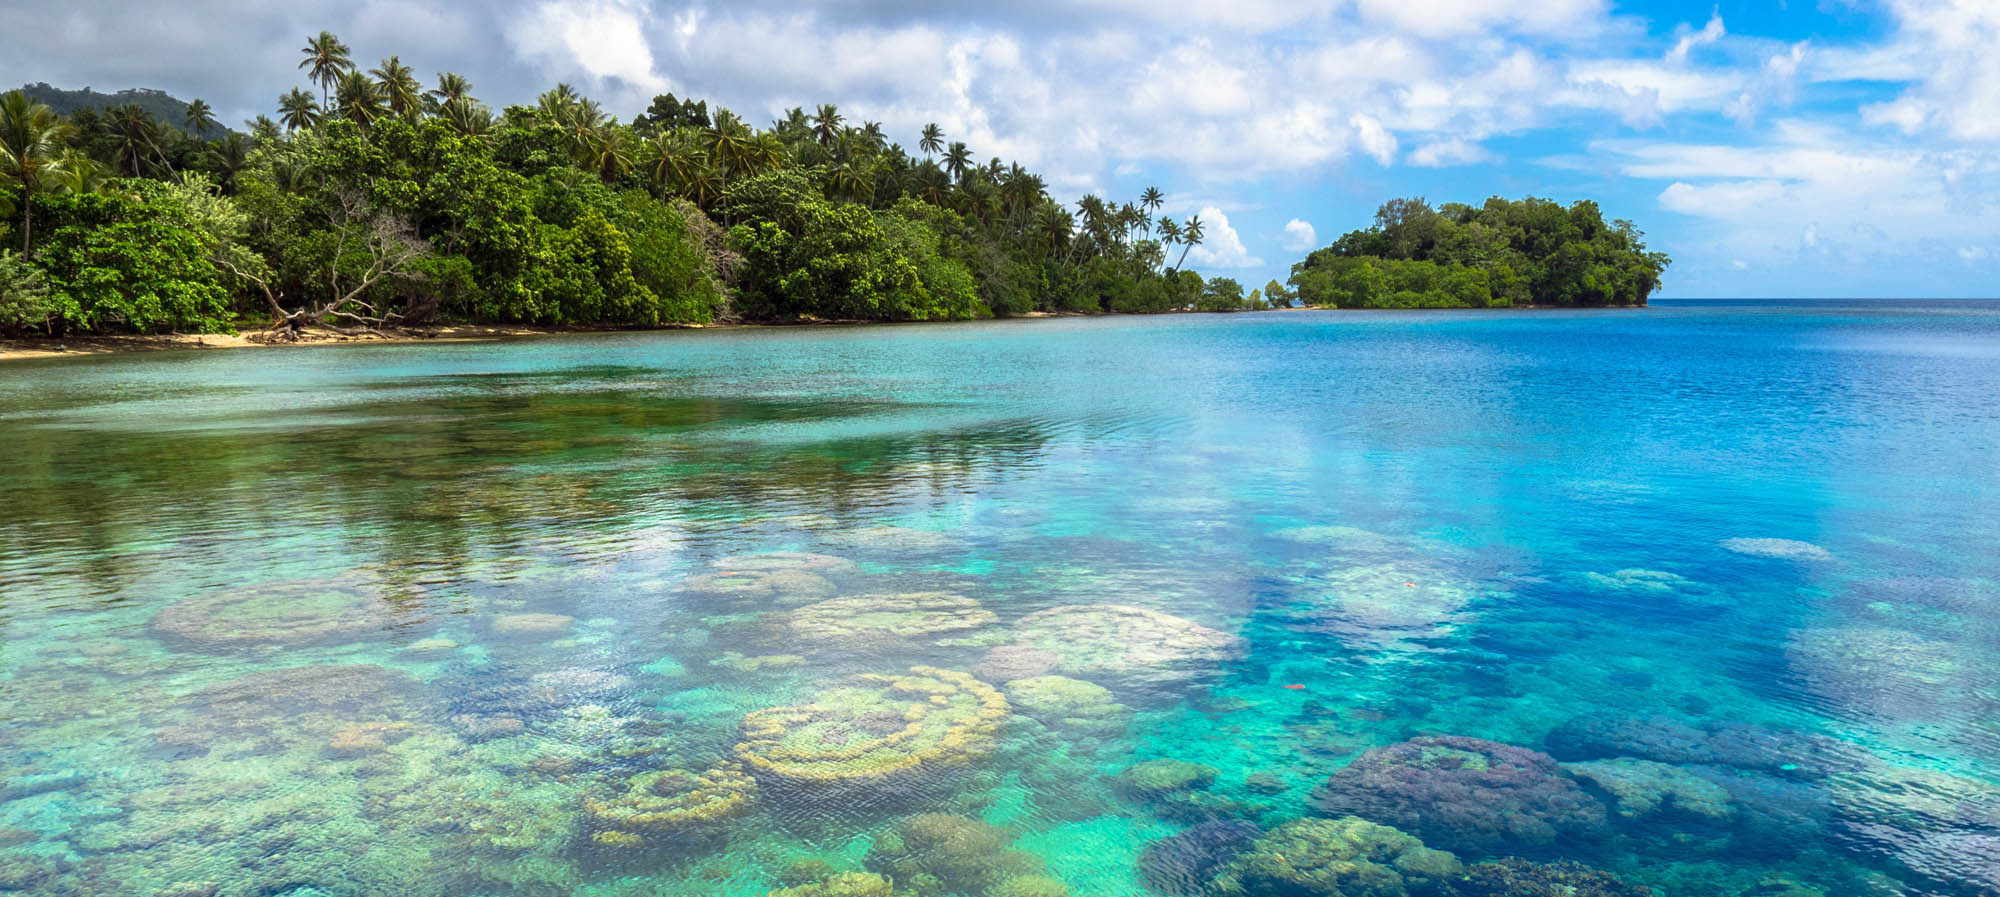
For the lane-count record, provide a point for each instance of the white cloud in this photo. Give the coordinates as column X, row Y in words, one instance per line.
column 1446, row 153
column 1299, row 236
column 1221, row 246
column 1690, row 38
column 1946, row 47
column 1375, row 140
column 602, row 40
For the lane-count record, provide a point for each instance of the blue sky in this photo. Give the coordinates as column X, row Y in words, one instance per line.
column 1773, row 147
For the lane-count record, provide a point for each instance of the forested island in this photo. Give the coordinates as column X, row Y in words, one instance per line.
column 1531, row 252
column 373, row 203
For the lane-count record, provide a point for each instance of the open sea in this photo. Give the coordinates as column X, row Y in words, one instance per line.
column 1700, row 600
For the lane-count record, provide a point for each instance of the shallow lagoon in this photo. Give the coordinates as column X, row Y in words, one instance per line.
column 1701, row 595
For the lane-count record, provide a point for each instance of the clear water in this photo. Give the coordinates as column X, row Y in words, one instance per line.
column 432, row 620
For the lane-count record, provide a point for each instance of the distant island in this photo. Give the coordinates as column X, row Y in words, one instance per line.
column 1530, row 252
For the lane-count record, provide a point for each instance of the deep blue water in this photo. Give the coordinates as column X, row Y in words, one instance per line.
column 1710, row 587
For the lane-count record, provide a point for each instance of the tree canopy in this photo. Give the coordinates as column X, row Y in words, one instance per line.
column 1503, row 253
column 366, row 199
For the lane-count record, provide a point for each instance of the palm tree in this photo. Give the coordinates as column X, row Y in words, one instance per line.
column 670, row 161
column 957, row 160
column 228, row 157
column 399, row 86
column 262, row 129
column 1170, row 232
column 137, row 135
column 933, row 140
column 326, row 60
column 826, row 124
column 1190, row 238
column 468, row 117
column 297, row 109
column 31, row 152
column 200, row 117
column 360, row 101
column 451, row 86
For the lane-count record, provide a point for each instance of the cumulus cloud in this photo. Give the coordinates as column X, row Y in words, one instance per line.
column 1221, row 245
column 604, row 41
column 1299, row 236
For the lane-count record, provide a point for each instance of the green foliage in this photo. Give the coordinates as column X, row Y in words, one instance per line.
column 24, row 294
column 369, row 201
column 1526, row 252
column 134, row 258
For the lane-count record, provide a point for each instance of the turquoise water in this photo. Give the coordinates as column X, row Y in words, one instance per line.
column 1701, row 596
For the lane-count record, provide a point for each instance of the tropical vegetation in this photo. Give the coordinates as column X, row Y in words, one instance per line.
column 1529, row 252
column 370, row 199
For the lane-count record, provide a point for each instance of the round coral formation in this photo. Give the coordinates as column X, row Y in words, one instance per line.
column 785, row 587
column 1346, row 857
column 1069, row 705
column 295, row 612
column 1154, row 779
column 1182, row 865
column 1125, row 646
column 1466, row 795
column 882, row 728
column 846, row 884
column 672, row 802
column 938, row 853
column 1644, row 789
column 905, row 615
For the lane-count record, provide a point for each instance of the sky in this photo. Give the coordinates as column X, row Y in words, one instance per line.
column 1842, row 148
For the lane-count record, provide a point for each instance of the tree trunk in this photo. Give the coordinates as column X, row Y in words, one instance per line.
column 27, row 219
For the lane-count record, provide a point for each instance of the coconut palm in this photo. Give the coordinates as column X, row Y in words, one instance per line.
column 451, row 86
column 1190, row 237
column 957, row 160
column 326, row 61
column 826, row 124
column 297, row 109
column 263, row 128
column 136, row 144
column 399, row 86
column 932, row 141
column 200, row 117
column 1152, row 200
column 467, row 116
column 228, row 157
column 359, row 99
column 670, row 161
column 31, row 152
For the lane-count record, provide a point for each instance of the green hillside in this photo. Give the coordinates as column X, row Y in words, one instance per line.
column 163, row 107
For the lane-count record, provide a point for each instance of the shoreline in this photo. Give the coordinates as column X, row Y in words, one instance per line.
column 123, row 344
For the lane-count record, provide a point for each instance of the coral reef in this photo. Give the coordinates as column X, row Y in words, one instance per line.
column 1643, row 789
column 884, row 727
column 893, row 539
column 670, row 803
column 776, row 561
column 1345, row 857
column 781, row 587
column 1125, row 646
column 936, row 853
column 846, row 884
column 291, row 612
column 1385, row 607
column 905, row 615
column 1155, row 779
column 1069, row 705
column 1466, row 795
column 532, row 625
column 1514, row 877
column 1010, row 662
column 1668, row 740
column 314, row 703
column 1182, row 865
column 1782, row 549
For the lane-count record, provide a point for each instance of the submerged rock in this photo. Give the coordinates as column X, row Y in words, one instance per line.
column 1182, row 865
column 1069, row 705
column 1643, row 789
column 1515, row 877
column 1466, row 795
